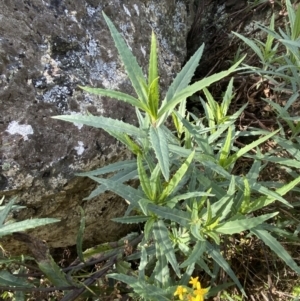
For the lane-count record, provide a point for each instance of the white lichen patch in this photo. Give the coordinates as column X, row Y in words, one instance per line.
column 126, row 11
column 71, row 15
column 143, row 51
column 136, row 9
column 79, row 148
column 22, row 129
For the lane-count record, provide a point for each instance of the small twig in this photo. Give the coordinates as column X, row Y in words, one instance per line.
column 78, row 291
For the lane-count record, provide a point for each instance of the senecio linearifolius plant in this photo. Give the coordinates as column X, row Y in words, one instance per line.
column 187, row 198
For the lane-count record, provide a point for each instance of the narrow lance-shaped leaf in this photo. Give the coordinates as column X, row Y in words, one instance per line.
column 227, row 98
column 264, row 201
column 192, row 89
column 160, row 145
column 252, row 45
column 161, row 271
column 247, row 148
column 225, row 150
column 176, row 178
column 8, row 279
column 25, row 225
column 197, row 252
column 128, row 193
column 142, row 288
column 212, row 103
column 240, row 225
column 219, row 259
column 126, row 140
column 144, row 180
column 180, row 217
column 163, row 241
column 131, row 219
column 184, row 77
column 277, row 248
column 153, row 86
column 4, row 213
column 133, row 70
column 113, row 167
column 155, row 181
column 117, row 95
column 104, row 123
column 153, row 98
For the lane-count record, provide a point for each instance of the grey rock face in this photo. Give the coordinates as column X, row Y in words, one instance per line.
column 47, row 48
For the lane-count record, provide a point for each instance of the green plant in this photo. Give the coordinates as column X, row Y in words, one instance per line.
column 280, row 62
column 280, row 67
column 188, row 198
column 9, row 280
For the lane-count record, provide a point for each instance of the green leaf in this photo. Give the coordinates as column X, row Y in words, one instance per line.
column 209, row 115
column 7, row 279
column 153, row 98
column 252, row 45
column 161, row 271
column 153, row 88
column 80, row 234
column 142, row 288
column 173, row 183
column 212, row 103
column 131, row 219
column 143, row 263
column 153, row 72
column 178, row 216
column 25, row 225
column 225, row 150
column 296, row 25
column 174, row 200
column 123, row 267
column 276, row 247
column 192, row 89
column 121, row 177
column 163, row 241
column 144, row 180
column 197, row 252
column 155, row 181
column 161, row 149
column 105, row 123
column 133, row 70
column 126, row 140
column 128, row 193
column 240, row 225
column 127, row 164
column 148, row 227
column 181, row 81
column 283, row 161
column 218, row 258
column 247, row 148
column 227, row 98
column 264, row 201
column 289, row 146
column 53, row 272
column 184, row 77
column 4, row 213
column 117, row 95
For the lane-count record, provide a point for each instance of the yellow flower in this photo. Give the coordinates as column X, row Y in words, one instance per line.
column 200, row 292
column 190, row 298
column 194, row 281
column 180, row 292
